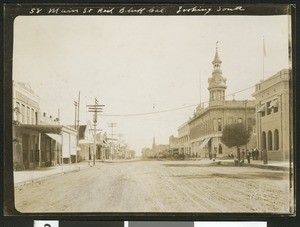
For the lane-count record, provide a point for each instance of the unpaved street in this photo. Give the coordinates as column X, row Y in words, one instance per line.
column 159, row 186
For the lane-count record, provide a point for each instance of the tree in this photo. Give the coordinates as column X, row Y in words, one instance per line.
column 235, row 135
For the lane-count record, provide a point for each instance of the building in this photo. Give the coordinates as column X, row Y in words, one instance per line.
column 85, row 141
column 173, row 145
column 207, row 124
column 35, row 143
column 184, row 139
column 273, row 114
column 25, row 104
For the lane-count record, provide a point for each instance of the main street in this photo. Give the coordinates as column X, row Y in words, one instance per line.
column 159, row 186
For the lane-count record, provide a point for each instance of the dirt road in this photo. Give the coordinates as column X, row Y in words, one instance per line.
column 157, row 186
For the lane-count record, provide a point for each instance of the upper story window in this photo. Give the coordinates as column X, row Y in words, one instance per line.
column 274, row 105
column 32, row 116
column 23, row 113
column 28, row 115
column 219, row 124
column 215, row 124
column 269, row 108
column 262, row 110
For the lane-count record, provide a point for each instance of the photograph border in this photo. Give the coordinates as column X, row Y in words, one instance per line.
column 11, row 11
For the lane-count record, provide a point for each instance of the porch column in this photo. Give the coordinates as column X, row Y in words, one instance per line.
column 40, row 153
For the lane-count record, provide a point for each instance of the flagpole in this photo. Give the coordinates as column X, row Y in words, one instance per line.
column 200, row 87
column 264, row 54
column 263, row 76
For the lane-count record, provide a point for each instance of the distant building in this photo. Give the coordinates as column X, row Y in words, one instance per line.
column 274, row 115
column 173, row 145
column 184, row 139
column 207, row 124
column 85, row 141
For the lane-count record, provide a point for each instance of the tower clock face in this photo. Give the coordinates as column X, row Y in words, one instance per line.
column 218, row 80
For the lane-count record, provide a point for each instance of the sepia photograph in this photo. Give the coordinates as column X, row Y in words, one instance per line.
column 129, row 109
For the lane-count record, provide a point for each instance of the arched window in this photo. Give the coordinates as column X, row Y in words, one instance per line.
column 263, row 141
column 276, row 140
column 270, row 142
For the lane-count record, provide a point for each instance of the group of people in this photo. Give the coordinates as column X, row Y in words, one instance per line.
column 242, row 155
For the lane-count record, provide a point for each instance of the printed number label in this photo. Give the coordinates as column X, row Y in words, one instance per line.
column 46, row 223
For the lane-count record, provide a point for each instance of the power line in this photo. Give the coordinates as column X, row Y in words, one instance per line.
column 169, row 110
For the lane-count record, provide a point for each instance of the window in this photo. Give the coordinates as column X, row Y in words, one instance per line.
column 276, row 140
column 28, row 115
column 275, row 105
column 215, row 124
column 269, row 108
column 240, row 120
column 219, row 124
column 263, row 141
column 32, row 116
column 23, row 113
column 270, row 141
column 17, row 111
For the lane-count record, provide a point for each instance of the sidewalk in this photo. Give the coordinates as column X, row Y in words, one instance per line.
column 273, row 165
column 28, row 176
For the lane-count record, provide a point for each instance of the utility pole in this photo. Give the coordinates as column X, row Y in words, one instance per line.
column 75, row 126
column 112, row 125
column 77, row 109
column 95, row 109
column 75, row 105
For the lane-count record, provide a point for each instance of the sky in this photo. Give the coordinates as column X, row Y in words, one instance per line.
column 143, row 64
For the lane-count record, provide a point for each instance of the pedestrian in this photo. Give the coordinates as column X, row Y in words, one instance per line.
column 236, row 161
column 264, row 156
column 243, row 156
column 248, row 157
column 253, row 154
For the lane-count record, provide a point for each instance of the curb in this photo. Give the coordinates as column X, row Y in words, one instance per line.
column 45, row 177
column 261, row 166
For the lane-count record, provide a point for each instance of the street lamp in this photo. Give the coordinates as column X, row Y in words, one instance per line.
column 246, row 126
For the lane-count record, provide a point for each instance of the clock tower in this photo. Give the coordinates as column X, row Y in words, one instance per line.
column 216, row 83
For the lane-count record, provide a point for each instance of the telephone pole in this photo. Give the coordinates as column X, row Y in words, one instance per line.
column 95, row 109
column 77, row 109
column 112, row 125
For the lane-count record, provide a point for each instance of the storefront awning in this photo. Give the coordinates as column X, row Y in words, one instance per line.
column 202, row 145
column 261, row 109
column 56, row 137
column 86, row 142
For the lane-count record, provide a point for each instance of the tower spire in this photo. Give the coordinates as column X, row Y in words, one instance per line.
column 217, row 62
column 217, row 83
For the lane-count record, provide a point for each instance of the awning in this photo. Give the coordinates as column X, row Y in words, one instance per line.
column 202, row 145
column 274, row 103
column 56, row 137
column 261, row 109
column 86, row 142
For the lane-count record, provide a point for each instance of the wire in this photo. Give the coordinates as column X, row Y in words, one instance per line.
column 169, row 110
